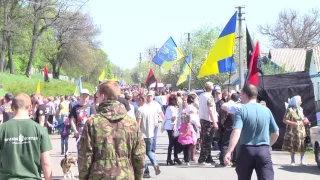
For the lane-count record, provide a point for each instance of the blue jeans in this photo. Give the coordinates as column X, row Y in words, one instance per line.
column 64, row 143
column 150, row 154
column 154, row 143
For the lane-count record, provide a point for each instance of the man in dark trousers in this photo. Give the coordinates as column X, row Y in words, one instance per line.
column 258, row 130
column 227, row 121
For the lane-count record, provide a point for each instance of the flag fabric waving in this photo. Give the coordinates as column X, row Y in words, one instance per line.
column 168, row 55
column 79, row 85
column 253, row 76
column 185, row 75
column 38, row 87
column 220, row 58
column 102, row 76
column 150, row 79
column 249, row 47
column 76, row 91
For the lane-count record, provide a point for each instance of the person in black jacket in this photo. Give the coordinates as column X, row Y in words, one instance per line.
column 227, row 120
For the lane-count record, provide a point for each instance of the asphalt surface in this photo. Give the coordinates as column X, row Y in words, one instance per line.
column 281, row 160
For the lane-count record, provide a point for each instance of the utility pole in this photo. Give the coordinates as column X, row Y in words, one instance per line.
column 140, row 59
column 189, row 49
column 150, row 56
column 241, row 64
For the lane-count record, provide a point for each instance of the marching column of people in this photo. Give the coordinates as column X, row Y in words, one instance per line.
column 118, row 130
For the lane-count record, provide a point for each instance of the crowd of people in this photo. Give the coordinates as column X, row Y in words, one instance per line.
column 117, row 129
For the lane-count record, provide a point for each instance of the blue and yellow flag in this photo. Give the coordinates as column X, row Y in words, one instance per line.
column 76, row 91
column 185, row 75
column 168, row 55
column 220, row 58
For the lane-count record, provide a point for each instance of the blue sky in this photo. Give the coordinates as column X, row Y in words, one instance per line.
column 128, row 27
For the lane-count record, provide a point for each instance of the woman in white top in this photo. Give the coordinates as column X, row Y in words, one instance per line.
column 171, row 117
column 193, row 113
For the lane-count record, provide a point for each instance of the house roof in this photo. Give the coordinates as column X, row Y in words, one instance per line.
column 233, row 80
column 292, row 59
column 316, row 56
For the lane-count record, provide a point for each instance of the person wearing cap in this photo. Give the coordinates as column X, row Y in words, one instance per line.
column 209, row 123
column 157, row 107
column 80, row 113
column 6, row 112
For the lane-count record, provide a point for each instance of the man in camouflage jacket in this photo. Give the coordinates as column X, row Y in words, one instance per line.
column 111, row 146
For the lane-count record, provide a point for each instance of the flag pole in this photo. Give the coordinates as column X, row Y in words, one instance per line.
column 188, row 64
column 230, row 74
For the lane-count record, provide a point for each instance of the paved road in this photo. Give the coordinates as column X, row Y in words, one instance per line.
column 280, row 159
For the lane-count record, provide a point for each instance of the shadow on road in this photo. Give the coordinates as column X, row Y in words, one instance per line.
column 61, row 177
column 302, row 169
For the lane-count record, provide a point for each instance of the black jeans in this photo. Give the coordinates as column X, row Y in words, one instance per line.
column 225, row 144
column 64, row 143
column 254, row 158
column 172, row 144
column 187, row 152
column 50, row 120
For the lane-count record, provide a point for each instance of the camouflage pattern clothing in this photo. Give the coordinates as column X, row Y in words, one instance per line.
column 111, row 146
column 206, row 136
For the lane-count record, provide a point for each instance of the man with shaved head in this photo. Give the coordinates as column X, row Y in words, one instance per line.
column 40, row 109
column 24, row 144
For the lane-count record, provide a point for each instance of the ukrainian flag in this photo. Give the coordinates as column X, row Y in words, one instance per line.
column 220, row 58
column 185, row 71
column 168, row 55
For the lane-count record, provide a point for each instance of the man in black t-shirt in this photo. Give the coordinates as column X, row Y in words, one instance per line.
column 80, row 113
column 41, row 110
column 124, row 102
column 6, row 112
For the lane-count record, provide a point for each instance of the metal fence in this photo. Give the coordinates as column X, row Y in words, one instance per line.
column 63, row 78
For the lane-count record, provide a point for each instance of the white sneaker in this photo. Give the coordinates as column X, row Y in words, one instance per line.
column 187, row 164
column 205, row 164
column 293, row 164
column 303, row 164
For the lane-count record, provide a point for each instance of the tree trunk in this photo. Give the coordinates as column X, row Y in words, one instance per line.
column 54, row 71
column 4, row 36
column 10, row 55
column 33, row 46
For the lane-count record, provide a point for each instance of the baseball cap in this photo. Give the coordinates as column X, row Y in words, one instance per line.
column 208, row 85
column 150, row 93
column 85, row 91
column 9, row 96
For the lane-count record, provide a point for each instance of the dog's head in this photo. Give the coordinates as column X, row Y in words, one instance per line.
column 70, row 161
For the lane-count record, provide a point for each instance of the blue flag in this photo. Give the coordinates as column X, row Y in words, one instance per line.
column 79, row 85
column 168, row 55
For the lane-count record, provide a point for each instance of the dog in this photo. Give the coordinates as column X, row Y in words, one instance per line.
column 66, row 163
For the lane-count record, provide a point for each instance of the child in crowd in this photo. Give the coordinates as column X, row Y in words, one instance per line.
column 64, row 130
column 187, row 139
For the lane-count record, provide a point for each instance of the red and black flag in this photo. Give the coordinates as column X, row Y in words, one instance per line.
column 46, row 73
column 253, row 71
column 249, row 47
column 150, row 79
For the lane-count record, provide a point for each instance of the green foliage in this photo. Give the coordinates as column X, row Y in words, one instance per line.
column 270, row 68
column 22, row 84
